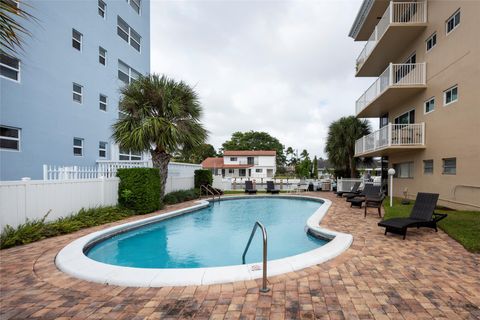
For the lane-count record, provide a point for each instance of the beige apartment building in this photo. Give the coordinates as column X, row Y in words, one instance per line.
column 425, row 57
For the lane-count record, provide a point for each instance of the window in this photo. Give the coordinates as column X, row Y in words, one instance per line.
column 77, row 40
column 103, row 102
column 450, row 166
column 9, row 138
column 102, row 9
column 128, row 34
column 431, row 41
column 403, row 170
column 126, row 73
column 230, row 170
column 135, row 4
column 453, row 21
column 9, row 67
column 102, row 56
column 430, row 105
column 129, row 155
column 406, row 118
column 78, row 147
column 102, row 149
column 250, row 160
column 450, row 95
column 77, row 93
column 259, row 170
column 427, row 166
column 233, row 158
column 242, row 172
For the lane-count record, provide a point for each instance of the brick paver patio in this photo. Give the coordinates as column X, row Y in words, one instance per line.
column 426, row 276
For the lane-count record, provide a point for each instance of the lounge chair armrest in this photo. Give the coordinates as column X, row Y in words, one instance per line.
column 439, row 216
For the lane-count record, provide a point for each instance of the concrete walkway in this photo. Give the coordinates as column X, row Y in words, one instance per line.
column 426, row 276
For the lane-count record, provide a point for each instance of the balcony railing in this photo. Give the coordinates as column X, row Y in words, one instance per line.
column 396, row 75
column 397, row 12
column 392, row 135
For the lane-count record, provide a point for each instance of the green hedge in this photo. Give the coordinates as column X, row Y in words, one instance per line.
column 181, row 196
column 139, row 189
column 203, row 177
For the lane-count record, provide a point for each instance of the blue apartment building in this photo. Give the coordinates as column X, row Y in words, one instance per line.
column 59, row 99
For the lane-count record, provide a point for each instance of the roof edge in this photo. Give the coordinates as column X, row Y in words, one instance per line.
column 360, row 18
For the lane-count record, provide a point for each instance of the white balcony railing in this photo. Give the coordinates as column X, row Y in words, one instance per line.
column 396, row 75
column 392, row 135
column 397, row 12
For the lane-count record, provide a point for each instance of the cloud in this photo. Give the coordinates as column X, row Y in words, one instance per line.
column 284, row 67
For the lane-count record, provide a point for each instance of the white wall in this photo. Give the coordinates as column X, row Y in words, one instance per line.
column 266, row 161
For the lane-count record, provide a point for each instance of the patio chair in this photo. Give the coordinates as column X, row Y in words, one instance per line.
column 271, row 188
column 422, row 215
column 353, row 189
column 368, row 191
column 249, row 187
column 354, row 192
column 374, row 202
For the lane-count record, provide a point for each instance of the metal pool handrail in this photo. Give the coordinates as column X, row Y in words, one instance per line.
column 264, row 233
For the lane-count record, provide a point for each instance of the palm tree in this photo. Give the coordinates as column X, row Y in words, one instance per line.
column 162, row 116
column 10, row 29
column 340, row 146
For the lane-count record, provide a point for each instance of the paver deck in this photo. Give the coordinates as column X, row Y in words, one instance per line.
column 426, row 276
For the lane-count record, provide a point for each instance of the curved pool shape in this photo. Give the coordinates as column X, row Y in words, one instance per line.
column 214, row 236
column 203, row 244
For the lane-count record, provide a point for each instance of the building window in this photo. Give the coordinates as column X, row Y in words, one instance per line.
column 259, row 170
column 250, row 160
column 102, row 9
column 431, row 41
column 403, row 170
column 77, row 40
column 102, row 149
column 453, row 21
column 406, row 118
column 430, row 105
column 450, row 166
column 128, row 155
column 242, row 172
column 9, row 67
column 128, row 34
column 102, row 102
column 9, row 138
column 102, row 56
column 230, row 170
column 427, row 166
column 78, row 147
column 77, row 93
column 233, row 158
column 126, row 73
column 450, row 95
column 135, row 4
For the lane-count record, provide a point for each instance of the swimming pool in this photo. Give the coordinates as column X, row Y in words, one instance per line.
column 214, row 236
column 203, row 243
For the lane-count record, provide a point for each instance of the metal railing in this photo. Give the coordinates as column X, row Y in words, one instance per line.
column 392, row 135
column 396, row 75
column 210, row 191
column 399, row 13
column 264, row 287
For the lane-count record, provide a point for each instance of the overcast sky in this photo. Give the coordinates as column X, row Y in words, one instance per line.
column 284, row 67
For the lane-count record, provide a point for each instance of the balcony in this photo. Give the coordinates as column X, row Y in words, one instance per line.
column 398, row 27
column 391, row 138
column 397, row 83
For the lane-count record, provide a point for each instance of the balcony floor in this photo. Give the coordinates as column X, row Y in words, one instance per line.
column 389, row 150
column 397, row 37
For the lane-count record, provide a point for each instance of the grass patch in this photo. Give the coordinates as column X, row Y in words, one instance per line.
column 38, row 229
column 463, row 226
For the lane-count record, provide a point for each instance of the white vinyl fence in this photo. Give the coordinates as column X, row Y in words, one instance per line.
column 66, row 190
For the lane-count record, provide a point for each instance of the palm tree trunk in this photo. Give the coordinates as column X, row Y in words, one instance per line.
column 353, row 168
column 160, row 160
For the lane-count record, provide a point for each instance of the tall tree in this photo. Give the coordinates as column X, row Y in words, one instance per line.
column 315, row 168
column 197, row 154
column 254, row 140
column 11, row 30
column 162, row 116
column 340, row 146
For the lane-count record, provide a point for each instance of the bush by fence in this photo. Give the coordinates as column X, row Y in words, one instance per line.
column 139, row 189
column 181, row 196
column 203, row 177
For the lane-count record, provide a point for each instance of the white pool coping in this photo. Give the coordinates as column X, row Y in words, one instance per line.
column 72, row 260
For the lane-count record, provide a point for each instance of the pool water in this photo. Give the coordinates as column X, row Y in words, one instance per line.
column 214, row 236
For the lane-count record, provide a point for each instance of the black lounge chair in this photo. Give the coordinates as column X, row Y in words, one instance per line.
column 374, row 202
column 249, row 187
column 354, row 192
column 353, row 189
column 368, row 191
column 271, row 188
column 422, row 215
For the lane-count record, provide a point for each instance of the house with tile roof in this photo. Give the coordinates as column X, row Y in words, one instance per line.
column 243, row 164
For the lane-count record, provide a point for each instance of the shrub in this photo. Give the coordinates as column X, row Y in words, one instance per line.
column 139, row 189
column 203, row 177
column 181, row 196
